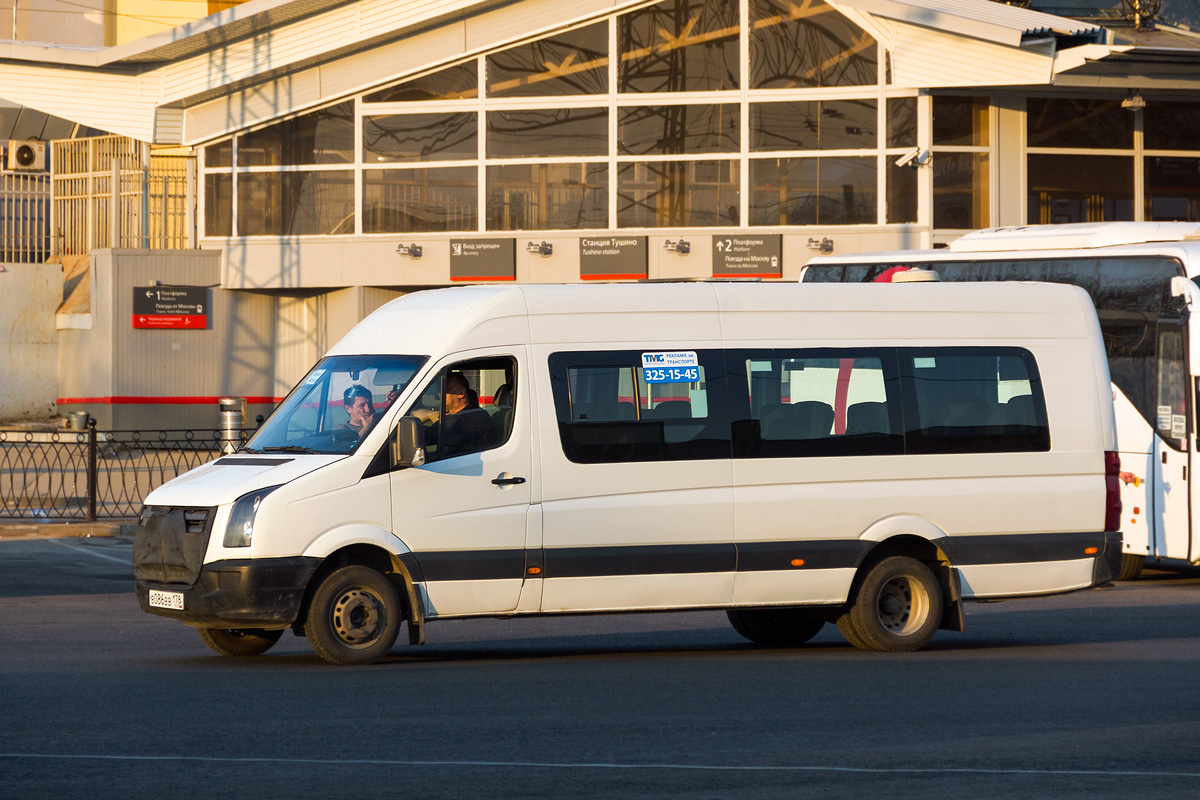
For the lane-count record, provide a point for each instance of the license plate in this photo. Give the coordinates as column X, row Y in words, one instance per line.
column 166, row 600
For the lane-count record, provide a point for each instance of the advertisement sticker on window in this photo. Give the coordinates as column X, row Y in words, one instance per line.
column 673, row 367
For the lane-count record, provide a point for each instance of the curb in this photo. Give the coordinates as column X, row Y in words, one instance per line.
column 64, row 530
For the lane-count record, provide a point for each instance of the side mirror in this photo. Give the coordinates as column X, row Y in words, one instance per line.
column 408, row 446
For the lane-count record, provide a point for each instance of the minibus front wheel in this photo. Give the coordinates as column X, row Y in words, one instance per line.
column 239, row 641
column 354, row 616
column 896, row 608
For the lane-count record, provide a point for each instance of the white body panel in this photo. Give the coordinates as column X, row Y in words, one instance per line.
column 613, row 536
column 1160, row 499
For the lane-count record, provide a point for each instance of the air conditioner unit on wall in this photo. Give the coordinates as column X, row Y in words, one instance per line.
column 26, row 156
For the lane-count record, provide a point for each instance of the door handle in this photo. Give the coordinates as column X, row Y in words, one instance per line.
column 504, row 479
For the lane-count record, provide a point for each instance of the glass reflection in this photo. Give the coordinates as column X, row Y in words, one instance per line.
column 961, row 190
column 460, row 82
column 813, row 191
column 218, row 204
column 1171, row 126
column 807, row 44
column 321, row 137
column 662, row 194
column 676, row 130
column 547, row 197
column 960, row 121
column 1172, row 189
column 902, row 122
column 420, row 200
column 421, row 137
column 295, row 203
column 571, row 62
column 547, row 133
column 813, row 125
column 1074, row 122
column 679, row 46
column 1065, row 188
column 219, row 154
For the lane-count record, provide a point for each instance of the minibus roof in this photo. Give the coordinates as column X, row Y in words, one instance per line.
column 459, row 319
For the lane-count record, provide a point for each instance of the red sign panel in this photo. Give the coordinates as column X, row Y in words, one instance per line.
column 189, row 321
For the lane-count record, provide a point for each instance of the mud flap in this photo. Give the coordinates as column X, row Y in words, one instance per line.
column 952, row 610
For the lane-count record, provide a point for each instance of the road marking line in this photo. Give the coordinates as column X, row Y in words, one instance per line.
column 124, row 561
column 601, row 765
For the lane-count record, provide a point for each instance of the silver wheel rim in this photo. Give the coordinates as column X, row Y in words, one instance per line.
column 358, row 617
column 902, row 606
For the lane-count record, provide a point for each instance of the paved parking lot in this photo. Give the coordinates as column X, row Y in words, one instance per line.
column 1092, row 694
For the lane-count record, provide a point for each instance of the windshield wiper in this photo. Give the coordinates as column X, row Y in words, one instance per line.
column 289, row 449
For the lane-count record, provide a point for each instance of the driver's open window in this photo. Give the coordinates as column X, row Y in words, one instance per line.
column 468, row 407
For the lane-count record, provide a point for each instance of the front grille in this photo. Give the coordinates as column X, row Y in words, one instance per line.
column 170, row 544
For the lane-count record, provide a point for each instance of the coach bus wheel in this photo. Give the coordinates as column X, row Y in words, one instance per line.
column 354, row 616
column 1131, row 566
column 239, row 641
column 898, row 607
column 776, row 627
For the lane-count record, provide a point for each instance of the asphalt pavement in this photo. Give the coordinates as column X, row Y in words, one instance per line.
column 1091, row 694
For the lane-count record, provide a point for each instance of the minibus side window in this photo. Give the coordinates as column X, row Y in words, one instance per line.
column 610, row 410
column 972, row 400
column 468, row 407
column 815, row 402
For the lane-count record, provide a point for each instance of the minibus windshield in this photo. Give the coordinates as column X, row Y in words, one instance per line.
column 336, row 405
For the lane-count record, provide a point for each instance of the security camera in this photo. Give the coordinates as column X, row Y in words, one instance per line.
column 910, row 157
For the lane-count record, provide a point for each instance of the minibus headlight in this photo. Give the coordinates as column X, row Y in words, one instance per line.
column 239, row 532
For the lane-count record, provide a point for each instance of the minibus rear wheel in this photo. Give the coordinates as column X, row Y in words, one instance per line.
column 354, row 616
column 775, row 627
column 898, row 606
column 239, row 641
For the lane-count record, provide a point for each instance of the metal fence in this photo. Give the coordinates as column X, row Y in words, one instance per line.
column 111, row 191
column 24, row 218
column 90, row 475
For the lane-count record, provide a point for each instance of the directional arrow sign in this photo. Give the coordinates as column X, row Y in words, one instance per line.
column 171, row 307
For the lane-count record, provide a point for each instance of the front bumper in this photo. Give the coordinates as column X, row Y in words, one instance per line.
column 241, row 593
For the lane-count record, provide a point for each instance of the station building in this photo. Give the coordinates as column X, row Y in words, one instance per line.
column 351, row 151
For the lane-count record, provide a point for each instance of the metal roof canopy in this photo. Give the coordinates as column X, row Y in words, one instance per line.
column 982, row 19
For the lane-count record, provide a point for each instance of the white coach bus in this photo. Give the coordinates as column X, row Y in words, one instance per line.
column 1141, row 277
column 795, row 455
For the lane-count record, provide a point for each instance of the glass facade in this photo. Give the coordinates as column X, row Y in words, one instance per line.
column 692, row 113
column 648, row 119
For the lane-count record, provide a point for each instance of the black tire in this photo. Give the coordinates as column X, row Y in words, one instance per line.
column 849, row 632
column 897, row 607
column 239, row 641
column 354, row 616
column 1131, row 566
column 776, row 627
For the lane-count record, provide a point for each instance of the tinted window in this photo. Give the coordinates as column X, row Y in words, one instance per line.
column 610, row 409
column 973, row 400
column 1130, row 295
column 815, row 403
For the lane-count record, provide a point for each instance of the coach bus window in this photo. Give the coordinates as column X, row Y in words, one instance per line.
column 1171, row 417
column 973, row 400
column 611, row 408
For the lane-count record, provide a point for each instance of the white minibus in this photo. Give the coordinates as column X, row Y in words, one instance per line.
column 796, row 455
column 1141, row 277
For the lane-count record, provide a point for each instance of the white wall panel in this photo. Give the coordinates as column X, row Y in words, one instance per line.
column 923, row 57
